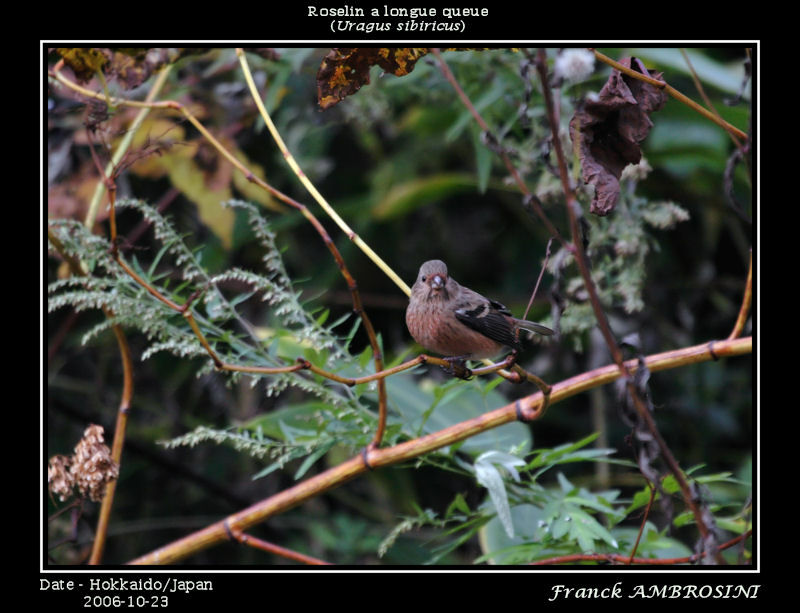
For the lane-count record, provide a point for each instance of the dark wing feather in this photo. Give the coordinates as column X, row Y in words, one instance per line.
column 488, row 318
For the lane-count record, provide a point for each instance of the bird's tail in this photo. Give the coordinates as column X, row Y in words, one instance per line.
column 532, row 326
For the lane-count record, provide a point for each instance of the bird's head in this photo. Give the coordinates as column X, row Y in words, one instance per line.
column 432, row 280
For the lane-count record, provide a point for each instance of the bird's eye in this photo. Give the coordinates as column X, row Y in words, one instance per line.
column 424, row 278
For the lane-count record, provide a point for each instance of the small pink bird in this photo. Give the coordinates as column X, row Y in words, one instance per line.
column 454, row 321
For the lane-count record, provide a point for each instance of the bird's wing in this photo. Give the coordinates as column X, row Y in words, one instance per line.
column 489, row 318
column 531, row 326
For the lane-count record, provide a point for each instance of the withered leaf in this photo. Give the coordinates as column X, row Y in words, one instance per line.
column 129, row 66
column 84, row 61
column 610, row 128
column 345, row 69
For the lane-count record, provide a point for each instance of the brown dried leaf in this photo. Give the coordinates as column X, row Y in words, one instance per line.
column 84, row 61
column 345, row 69
column 610, row 129
column 129, row 66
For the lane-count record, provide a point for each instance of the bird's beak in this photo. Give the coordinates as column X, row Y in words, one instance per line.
column 437, row 282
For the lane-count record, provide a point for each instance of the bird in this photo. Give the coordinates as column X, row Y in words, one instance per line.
column 457, row 322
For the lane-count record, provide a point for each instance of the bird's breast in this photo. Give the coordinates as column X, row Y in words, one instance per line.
column 436, row 328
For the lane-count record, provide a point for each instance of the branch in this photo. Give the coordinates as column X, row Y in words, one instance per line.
column 525, row 409
column 257, row 543
column 94, row 204
column 616, row 558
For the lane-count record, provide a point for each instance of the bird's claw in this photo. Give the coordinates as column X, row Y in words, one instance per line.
column 457, row 367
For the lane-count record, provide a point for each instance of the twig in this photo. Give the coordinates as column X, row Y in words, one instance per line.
column 116, row 447
column 701, row 90
column 539, row 280
column 645, row 515
column 747, row 300
column 672, row 92
column 257, row 543
column 94, row 204
column 623, row 559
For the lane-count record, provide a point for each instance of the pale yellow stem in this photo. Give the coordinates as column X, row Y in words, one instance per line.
column 309, row 185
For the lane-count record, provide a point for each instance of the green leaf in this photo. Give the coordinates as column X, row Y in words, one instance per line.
column 365, row 357
column 483, row 161
column 489, row 477
column 410, row 195
column 311, row 459
column 465, row 116
column 423, row 409
column 323, row 317
column 293, row 435
column 587, row 530
column 280, row 463
column 458, row 504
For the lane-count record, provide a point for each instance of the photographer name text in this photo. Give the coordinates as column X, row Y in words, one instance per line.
column 564, row 592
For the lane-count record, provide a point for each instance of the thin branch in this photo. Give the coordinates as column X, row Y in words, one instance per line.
column 125, row 144
column 616, row 558
column 257, row 543
column 747, row 300
column 526, row 409
column 116, row 447
column 701, row 90
column 645, row 515
column 539, row 279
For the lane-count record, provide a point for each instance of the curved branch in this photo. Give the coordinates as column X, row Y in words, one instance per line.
column 747, row 300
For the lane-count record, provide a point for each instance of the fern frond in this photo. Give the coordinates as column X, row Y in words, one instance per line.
column 109, row 287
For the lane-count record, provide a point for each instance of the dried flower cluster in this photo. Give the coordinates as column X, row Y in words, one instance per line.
column 89, row 468
column 58, row 477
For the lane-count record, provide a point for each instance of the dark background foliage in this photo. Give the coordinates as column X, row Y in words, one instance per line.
column 403, row 163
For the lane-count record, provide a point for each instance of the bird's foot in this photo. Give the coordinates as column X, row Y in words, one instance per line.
column 457, row 366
